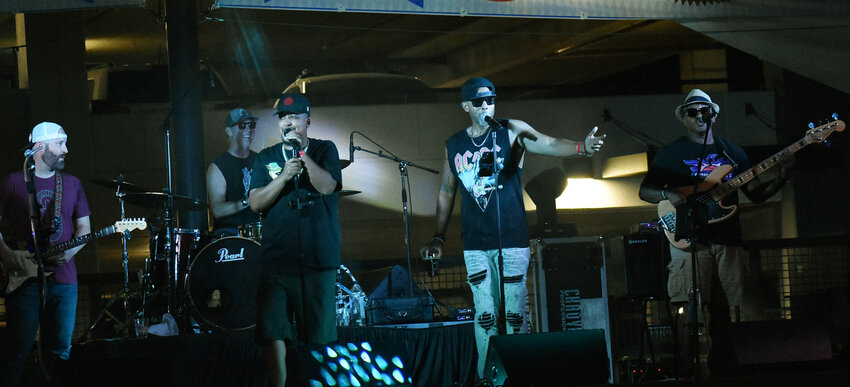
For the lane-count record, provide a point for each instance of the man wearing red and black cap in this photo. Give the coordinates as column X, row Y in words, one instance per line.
column 294, row 183
column 64, row 214
column 480, row 220
column 229, row 176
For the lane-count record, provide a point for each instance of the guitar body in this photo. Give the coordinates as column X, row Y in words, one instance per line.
column 717, row 212
column 12, row 280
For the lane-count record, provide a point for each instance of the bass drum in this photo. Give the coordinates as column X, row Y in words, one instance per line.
column 222, row 283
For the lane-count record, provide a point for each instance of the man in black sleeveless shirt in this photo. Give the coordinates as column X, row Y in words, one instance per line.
column 479, row 225
column 229, row 176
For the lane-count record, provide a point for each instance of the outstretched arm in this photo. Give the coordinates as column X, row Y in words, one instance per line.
column 536, row 142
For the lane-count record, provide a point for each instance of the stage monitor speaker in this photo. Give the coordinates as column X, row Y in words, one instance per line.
column 780, row 341
column 577, row 357
column 646, row 258
column 395, row 283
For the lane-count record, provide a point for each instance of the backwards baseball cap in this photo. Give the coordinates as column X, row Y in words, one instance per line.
column 695, row 96
column 469, row 90
column 292, row 103
column 237, row 115
column 46, row 131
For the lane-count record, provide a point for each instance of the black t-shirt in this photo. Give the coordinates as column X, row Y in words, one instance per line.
column 676, row 165
column 237, row 176
column 478, row 209
column 315, row 232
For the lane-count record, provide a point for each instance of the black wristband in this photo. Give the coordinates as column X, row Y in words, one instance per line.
column 439, row 237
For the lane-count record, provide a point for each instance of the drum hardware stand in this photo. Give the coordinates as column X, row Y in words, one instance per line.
column 356, row 300
column 125, row 292
column 402, row 168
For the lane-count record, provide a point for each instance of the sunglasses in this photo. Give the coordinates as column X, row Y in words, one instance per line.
column 247, row 124
column 692, row 112
column 477, row 102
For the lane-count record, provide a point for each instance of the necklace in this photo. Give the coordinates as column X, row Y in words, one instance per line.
column 482, row 142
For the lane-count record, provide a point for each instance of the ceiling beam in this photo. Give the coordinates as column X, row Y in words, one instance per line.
column 533, row 42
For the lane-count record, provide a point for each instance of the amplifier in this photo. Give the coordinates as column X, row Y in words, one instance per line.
column 400, row 310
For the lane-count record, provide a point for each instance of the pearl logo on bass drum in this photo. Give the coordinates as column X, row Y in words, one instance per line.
column 225, row 256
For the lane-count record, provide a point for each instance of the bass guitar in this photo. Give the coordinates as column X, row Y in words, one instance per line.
column 711, row 190
column 11, row 280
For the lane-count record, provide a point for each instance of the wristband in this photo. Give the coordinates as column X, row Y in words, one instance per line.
column 581, row 150
column 301, row 153
column 439, row 237
column 664, row 195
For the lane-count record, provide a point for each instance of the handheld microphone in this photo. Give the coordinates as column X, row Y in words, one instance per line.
column 492, row 122
column 351, row 147
column 434, row 270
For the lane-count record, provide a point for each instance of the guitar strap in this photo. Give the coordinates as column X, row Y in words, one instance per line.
column 723, row 149
column 56, row 218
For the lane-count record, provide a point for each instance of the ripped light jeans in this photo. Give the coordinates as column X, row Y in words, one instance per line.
column 482, row 268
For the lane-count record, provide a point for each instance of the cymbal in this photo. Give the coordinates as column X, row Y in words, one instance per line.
column 125, row 186
column 344, row 163
column 347, row 192
column 159, row 199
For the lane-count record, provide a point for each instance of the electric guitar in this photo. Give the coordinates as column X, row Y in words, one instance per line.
column 711, row 191
column 11, row 280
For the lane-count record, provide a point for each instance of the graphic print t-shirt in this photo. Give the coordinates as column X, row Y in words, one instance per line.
column 677, row 165
column 478, row 193
column 14, row 207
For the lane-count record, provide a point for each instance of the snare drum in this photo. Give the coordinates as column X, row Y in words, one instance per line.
column 222, row 283
column 252, row 231
column 186, row 241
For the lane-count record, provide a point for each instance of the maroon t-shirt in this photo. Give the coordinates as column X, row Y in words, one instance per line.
column 14, row 208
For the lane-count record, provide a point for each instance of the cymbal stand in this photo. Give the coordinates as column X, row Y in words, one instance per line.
column 125, row 292
column 169, row 220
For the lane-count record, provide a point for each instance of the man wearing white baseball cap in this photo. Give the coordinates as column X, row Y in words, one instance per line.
column 720, row 258
column 64, row 214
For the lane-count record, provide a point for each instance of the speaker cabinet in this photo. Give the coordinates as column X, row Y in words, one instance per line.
column 646, row 257
column 577, row 357
column 571, row 291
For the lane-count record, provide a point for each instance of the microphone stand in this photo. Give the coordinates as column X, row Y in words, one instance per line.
column 402, row 168
column 502, row 326
column 35, row 212
column 695, row 228
column 298, row 204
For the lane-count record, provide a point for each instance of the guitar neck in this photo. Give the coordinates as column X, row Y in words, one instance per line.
column 722, row 190
column 80, row 240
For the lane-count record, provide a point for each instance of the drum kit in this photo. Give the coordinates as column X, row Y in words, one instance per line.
column 215, row 278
